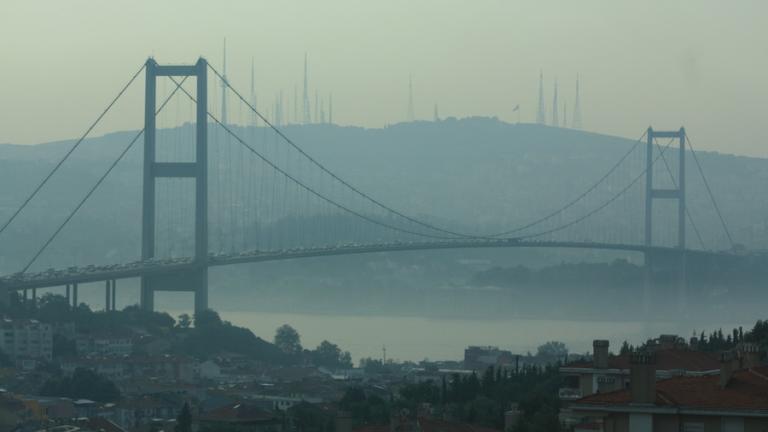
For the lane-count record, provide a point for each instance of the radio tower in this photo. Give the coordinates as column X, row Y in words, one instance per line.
column 254, row 117
column 224, row 87
column 555, row 120
column 541, row 116
column 411, row 115
column 307, row 119
column 330, row 108
column 565, row 114
column 576, row 122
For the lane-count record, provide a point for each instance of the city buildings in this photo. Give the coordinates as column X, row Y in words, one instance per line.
column 482, row 357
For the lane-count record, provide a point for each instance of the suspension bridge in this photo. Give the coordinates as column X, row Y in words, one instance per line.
column 216, row 194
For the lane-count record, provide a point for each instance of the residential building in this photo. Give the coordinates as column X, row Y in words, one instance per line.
column 26, row 339
column 239, row 417
column 167, row 368
column 141, row 411
column 49, row 408
column 117, row 343
column 607, row 372
column 735, row 400
column 482, row 357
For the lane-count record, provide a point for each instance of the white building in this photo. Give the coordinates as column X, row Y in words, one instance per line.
column 105, row 344
column 26, row 339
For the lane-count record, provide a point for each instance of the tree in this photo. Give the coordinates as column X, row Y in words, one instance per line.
column 330, row 355
column 552, row 350
column 83, row 384
column 207, row 318
column 288, row 339
column 626, row 348
column 184, row 321
column 184, row 420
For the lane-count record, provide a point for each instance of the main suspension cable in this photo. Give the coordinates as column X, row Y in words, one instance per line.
column 579, row 197
column 331, row 173
column 409, row 218
column 70, row 151
column 307, row 187
column 598, row 209
column 98, row 183
column 709, row 191
column 687, row 211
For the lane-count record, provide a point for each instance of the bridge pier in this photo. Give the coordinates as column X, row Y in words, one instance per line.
column 195, row 280
column 114, row 294
column 676, row 193
column 147, row 295
column 69, row 298
column 647, row 284
column 74, row 296
column 108, row 292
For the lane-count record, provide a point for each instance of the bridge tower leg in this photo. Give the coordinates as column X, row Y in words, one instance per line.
column 108, row 292
column 195, row 280
column 677, row 193
column 75, row 303
column 114, row 294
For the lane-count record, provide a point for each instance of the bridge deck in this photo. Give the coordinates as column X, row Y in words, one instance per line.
column 51, row 278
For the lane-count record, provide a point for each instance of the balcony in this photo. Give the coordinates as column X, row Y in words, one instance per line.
column 569, row 393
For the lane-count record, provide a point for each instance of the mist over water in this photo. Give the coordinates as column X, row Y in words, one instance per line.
column 415, row 338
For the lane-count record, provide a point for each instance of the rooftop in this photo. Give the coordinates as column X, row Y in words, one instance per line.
column 746, row 390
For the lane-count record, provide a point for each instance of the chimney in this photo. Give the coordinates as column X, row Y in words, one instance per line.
column 600, row 353
column 343, row 422
column 750, row 355
column 642, row 375
column 727, row 366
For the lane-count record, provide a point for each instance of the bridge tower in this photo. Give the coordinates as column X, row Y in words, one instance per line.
column 195, row 280
column 676, row 193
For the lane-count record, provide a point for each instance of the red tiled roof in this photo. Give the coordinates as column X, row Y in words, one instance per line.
column 238, row 412
column 747, row 390
column 669, row 359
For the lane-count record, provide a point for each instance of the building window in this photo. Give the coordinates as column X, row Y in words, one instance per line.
column 693, row 427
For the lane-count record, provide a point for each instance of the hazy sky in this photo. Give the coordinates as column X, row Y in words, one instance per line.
column 702, row 64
